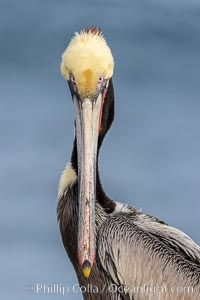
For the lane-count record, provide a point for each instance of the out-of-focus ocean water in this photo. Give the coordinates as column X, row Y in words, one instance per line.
column 151, row 156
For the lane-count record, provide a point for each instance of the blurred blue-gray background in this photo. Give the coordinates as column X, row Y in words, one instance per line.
column 151, row 156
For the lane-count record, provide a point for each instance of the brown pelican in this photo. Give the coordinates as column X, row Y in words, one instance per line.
column 117, row 251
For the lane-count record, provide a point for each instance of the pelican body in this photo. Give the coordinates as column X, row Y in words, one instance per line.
column 117, row 251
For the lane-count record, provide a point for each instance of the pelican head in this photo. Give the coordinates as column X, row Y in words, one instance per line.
column 87, row 64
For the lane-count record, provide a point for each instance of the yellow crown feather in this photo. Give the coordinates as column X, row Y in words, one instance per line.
column 87, row 58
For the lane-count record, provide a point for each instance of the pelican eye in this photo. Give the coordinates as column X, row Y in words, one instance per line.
column 72, row 79
column 101, row 79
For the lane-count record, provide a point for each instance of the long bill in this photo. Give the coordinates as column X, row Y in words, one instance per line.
column 87, row 114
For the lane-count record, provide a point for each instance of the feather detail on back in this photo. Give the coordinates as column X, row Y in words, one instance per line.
column 136, row 250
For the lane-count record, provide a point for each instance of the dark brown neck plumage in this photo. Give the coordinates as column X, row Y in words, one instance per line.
column 107, row 119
